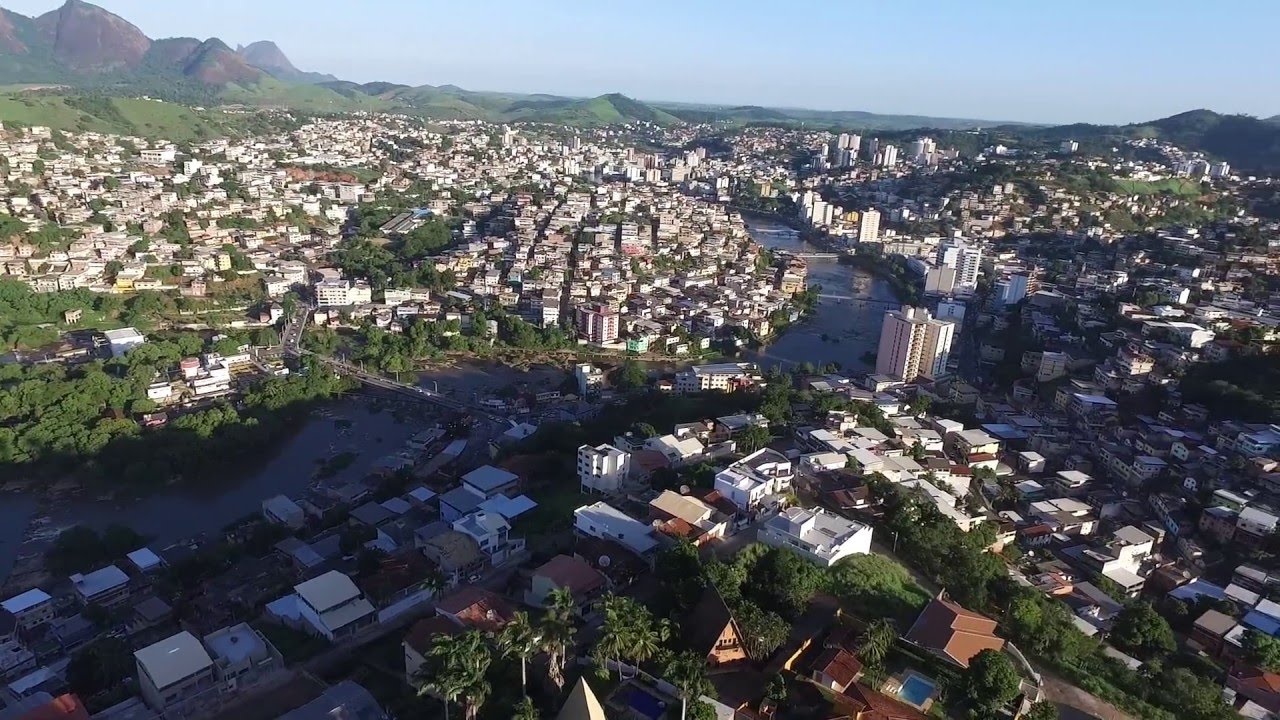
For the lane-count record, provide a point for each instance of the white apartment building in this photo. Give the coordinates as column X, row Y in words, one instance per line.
column 817, row 536
column 721, row 376
column 869, row 226
column 913, row 344
column 965, row 258
column 602, row 468
column 341, row 293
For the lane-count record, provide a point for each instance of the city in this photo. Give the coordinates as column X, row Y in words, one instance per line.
column 428, row 403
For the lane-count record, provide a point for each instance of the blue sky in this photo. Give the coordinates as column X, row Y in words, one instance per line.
column 1037, row 60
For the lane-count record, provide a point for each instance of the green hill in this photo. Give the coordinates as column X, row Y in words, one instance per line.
column 269, row 92
column 124, row 116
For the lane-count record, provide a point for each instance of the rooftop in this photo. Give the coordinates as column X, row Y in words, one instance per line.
column 173, row 659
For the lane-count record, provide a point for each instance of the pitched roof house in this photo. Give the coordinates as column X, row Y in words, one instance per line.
column 952, row 632
column 715, row 635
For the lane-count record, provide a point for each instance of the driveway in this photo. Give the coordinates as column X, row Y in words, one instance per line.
column 1074, row 703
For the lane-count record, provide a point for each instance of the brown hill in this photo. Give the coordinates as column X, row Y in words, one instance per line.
column 87, row 38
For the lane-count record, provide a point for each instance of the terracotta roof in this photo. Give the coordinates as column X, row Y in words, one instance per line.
column 577, row 575
column 677, row 528
column 867, row 704
column 839, row 665
column 63, row 707
column 954, row 632
column 477, row 608
column 1258, row 685
column 708, row 620
column 421, row 635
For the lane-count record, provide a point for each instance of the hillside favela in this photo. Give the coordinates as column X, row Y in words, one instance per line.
column 694, row 362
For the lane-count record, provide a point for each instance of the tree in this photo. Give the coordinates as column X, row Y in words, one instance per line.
column 556, row 632
column 527, row 711
column 688, row 673
column 631, row 375
column 763, row 631
column 876, row 641
column 1140, row 630
column 455, row 669
column 1262, row 650
column 99, row 667
column 628, row 633
column 991, row 681
column 752, row 439
column 519, row 639
column 1043, row 710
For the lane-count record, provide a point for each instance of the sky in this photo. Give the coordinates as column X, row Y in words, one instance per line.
column 1045, row 61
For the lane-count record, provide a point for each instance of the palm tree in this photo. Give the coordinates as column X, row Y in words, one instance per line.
column 455, row 668
column 688, row 673
column 519, row 639
column 876, row 641
column 647, row 637
column 613, row 641
column 557, row 632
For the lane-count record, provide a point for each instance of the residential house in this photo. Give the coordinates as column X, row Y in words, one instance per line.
column 716, row 635
column 108, row 587
column 565, row 572
column 687, row 517
column 333, row 606
column 816, row 535
column 756, row 480
column 603, row 468
column 952, row 632
column 492, row 533
column 603, row 521
column 30, row 609
column 242, row 657
column 176, row 676
column 457, row 554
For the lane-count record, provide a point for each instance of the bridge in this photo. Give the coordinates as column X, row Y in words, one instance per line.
column 817, row 255
column 861, row 302
column 292, row 337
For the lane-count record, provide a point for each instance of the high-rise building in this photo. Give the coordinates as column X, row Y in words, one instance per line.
column 1012, row 289
column 873, row 146
column 597, row 323
column 1219, row 170
column 889, row 156
column 965, row 258
column 1068, row 146
column 869, row 226
column 913, row 344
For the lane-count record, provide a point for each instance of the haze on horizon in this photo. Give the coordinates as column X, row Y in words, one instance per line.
column 1089, row 61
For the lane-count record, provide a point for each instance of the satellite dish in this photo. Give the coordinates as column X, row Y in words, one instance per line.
column 604, row 561
column 684, row 489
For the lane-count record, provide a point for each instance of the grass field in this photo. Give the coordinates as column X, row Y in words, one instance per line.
column 126, row 116
column 1176, row 186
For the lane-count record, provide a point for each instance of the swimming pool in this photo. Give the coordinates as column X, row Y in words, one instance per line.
column 917, row 690
column 646, row 704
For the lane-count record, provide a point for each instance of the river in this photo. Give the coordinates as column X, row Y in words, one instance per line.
column 851, row 327
column 180, row 512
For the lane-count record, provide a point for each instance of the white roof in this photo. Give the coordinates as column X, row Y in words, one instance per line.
column 123, row 335
column 329, row 590
column 144, row 559
column 488, row 478
column 343, row 616
column 173, row 659
column 99, row 581
column 25, row 601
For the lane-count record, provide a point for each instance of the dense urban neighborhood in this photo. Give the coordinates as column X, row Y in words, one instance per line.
column 512, row 417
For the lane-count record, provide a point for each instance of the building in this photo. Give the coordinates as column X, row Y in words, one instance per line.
column 108, row 587
column 869, row 226
column 952, row 632
column 123, row 340
column 601, row 520
column 176, row 675
column 590, row 379
column 817, row 536
column 756, row 481
column 30, row 609
column 913, row 344
column 689, row 518
column 343, row 293
column 242, row 657
column 597, row 323
column 565, row 572
column 724, row 377
column 582, row 704
column 347, row 699
column 965, row 258
column 283, row 511
column 603, row 468
column 716, row 635
column 333, row 606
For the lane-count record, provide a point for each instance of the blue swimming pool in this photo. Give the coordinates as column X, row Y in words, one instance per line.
column 646, row 704
column 917, row 690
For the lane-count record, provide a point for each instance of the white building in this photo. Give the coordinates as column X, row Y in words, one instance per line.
column 751, row 482
column 601, row 520
column 123, row 340
column 818, row 536
column 721, row 376
column 176, row 675
column 333, row 606
column 603, row 468
column 869, row 226
column 965, row 258
column 590, row 379
column 914, row 344
column 341, row 293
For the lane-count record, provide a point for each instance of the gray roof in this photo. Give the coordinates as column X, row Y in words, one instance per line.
column 173, row 659
column 461, row 499
column 327, row 591
column 344, row 701
column 489, row 478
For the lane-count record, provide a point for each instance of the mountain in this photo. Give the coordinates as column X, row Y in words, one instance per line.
column 1246, row 142
column 214, row 63
column 266, row 55
column 85, row 38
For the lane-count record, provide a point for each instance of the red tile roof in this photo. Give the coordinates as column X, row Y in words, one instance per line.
column 839, row 665
column 577, row 575
column 477, row 608
column 63, row 707
column 954, row 632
